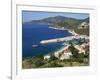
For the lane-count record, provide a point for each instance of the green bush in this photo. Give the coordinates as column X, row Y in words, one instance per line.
column 41, row 56
column 80, row 58
column 39, row 62
column 54, row 64
column 74, row 51
column 52, row 57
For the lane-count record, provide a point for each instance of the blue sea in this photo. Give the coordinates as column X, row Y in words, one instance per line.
column 32, row 34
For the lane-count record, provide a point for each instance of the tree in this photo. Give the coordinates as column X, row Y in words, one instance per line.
column 27, row 63
column 39, row 62
column 80, row 57
column 86, row 52
column 74, row 51
column 52, row 57
column 40, row 56
column 55, row 64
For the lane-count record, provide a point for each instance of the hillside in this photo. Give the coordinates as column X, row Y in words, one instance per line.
column 66, row 22
column 52, row 19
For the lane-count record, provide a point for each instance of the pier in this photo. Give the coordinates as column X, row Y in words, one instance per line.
column 63, row 39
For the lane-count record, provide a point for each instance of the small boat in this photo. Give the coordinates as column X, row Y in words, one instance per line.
column 34, row 46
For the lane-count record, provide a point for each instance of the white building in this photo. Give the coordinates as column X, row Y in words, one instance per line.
column 56, row 54
column 80, row 48
column 65, row 55
column 61, row 50
column 47, row 57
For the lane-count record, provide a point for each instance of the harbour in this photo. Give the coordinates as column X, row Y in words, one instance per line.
column 34, row 35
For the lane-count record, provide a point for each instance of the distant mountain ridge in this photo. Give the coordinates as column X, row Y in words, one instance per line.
column 65, row 22
column 56, row 19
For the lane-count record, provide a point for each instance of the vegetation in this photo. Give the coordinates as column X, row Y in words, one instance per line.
column 73, row 25
column 82, row 31
column 55, row 64
column 70, row 24
column 52, row 58
column 74, row 51
column 75, row 60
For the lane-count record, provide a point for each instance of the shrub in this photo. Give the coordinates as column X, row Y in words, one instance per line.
column 39, row 62
column 74, row 51
column 52, row 57
column 40, row 56
column 54, row 64
column 80, row 57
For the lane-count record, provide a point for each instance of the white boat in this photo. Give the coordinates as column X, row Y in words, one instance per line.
column 34, row 46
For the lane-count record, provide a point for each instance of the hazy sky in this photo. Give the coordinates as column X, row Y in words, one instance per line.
column 33, row 15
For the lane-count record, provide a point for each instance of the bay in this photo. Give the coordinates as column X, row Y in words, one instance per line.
column 32, row 34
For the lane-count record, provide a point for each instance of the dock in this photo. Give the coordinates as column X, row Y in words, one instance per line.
column 68, row 38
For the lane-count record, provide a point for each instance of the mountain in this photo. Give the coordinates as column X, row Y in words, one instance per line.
column 86, row 20
column 52, row 20
column 65, row 22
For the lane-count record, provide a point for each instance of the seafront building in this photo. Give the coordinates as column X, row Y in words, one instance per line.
column 47, row 57
column 64, row 53
column 78, row 41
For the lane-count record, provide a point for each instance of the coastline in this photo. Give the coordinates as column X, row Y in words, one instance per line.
column 53, row 60
column 57, row 28
column 70, row 31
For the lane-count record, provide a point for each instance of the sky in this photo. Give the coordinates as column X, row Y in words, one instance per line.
column 34, row 15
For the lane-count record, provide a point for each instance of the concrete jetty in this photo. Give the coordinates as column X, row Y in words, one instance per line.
column 63, row 39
